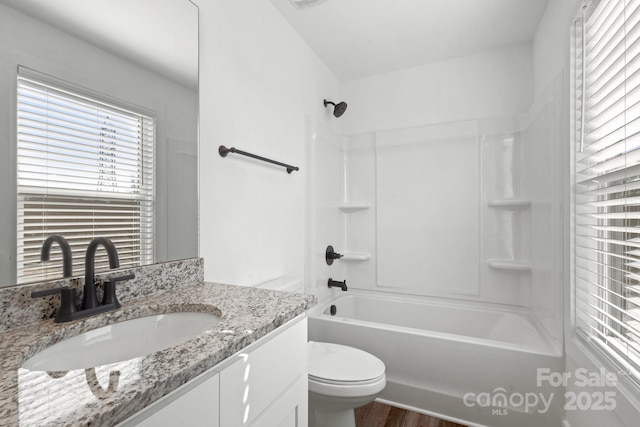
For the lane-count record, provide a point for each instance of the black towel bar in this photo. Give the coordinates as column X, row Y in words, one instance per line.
column 223, row 151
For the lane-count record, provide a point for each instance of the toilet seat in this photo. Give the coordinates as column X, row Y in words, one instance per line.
column 342, row 371
column 345, row 383
column 362, row 389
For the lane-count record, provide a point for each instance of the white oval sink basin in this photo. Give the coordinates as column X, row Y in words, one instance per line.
column 122, row 341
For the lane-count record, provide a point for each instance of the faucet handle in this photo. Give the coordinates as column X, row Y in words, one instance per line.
column 67, row 301
column 116, row 279
column 47, row 292
column 109, row 289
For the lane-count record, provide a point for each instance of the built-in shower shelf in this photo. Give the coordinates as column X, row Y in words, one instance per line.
column 509, row 264
column 350, row 207
column 510, row 204
column 356, row 256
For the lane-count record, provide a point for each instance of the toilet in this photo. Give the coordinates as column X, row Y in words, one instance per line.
column 341, row 378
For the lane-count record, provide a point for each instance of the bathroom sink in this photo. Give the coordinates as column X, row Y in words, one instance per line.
column 122, row 341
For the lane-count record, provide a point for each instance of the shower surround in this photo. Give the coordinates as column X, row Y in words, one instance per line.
column 463, row 215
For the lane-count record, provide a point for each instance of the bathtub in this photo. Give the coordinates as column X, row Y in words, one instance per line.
column 467, row 362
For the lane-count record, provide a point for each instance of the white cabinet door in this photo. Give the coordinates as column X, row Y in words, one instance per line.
column 194, row 404
column 290, row 410
column 267, row 384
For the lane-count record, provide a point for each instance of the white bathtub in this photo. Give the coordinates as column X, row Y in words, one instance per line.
column 462, row 361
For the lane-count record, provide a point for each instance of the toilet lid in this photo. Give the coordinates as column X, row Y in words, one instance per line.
column 337, row 362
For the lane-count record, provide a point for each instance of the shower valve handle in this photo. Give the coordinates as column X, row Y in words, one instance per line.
column 331, row 255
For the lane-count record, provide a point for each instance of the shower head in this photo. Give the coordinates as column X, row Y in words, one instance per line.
column 338, row 109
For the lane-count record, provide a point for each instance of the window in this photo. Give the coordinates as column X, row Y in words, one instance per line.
column 607, row 179
column 84, row 169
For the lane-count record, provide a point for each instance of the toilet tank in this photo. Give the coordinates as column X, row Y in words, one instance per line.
column 284, row 283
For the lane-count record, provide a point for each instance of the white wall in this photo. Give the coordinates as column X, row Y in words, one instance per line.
column 487, row 84
column 551, row 42
column 260, row 86
column 27, row 42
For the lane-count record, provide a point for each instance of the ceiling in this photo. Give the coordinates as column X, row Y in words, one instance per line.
column 360, row 38
column 161, row 35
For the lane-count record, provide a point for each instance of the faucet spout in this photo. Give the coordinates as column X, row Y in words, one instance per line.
column 334, row 283
column 89, row 299
column 67, row 259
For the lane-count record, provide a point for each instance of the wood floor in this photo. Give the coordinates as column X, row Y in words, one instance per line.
column 379, row 415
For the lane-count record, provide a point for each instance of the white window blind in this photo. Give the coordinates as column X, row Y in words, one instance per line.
column 607, row 180
column 84, row 169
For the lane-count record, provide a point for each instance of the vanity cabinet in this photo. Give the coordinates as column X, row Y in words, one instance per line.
column 264, row 384
column 267, row 385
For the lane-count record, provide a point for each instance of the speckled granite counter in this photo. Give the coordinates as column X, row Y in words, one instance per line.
column 77, row 398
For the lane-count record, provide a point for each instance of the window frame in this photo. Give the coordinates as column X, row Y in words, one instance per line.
column 148, row 255
column 607, row 356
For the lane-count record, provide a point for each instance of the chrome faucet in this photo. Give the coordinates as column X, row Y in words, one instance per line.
column 67, row 259
column 89, row 298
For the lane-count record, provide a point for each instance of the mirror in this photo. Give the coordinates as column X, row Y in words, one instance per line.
column 143, row 53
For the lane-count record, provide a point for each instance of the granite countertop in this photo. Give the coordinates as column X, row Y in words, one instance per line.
column 108, row 394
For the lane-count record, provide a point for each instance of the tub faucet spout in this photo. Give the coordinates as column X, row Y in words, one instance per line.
column 334, row 283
